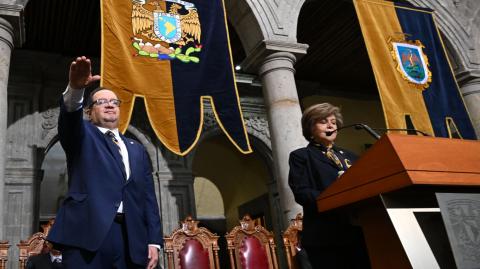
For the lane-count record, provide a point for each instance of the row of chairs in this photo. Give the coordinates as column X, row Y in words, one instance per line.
column 189, row 246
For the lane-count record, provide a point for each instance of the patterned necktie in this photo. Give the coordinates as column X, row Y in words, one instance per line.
column 117, row 143
column 114, row 139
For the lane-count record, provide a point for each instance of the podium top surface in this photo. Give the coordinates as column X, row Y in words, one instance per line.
column 398, row 161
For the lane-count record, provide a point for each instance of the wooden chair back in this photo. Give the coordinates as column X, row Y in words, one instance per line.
column 251, row 246
column 4, row 246
column 291, row 240
column 192, row 247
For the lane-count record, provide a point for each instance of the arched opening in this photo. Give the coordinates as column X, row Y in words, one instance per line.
column 54, row 184
column 337, row 68
column 242, row 183
column 239, row 178
column 208, row 199
column 209, row 204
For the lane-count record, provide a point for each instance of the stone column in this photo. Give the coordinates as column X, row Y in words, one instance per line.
column 6, row 46
column 284, row 114
column 177, row 199
column 471, row 95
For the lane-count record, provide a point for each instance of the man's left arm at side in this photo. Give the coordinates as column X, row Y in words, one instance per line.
column 154, row 230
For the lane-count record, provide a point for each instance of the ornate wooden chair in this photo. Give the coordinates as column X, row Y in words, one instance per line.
column 251, row 247
column 191, row 246
column 34, row 245
column 4, row 246
column 291, row 240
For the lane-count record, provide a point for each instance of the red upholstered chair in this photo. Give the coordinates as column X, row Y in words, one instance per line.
column 251, row 247
column 34, row 245
column 291, row 240
column 4, row 246
column 191, row 247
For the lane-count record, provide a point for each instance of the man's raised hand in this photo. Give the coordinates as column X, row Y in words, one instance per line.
column 80, row 75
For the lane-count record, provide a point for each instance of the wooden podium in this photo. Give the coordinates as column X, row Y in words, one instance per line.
column 392, row 191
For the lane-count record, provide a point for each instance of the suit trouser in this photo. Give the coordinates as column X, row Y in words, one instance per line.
column 113, row 253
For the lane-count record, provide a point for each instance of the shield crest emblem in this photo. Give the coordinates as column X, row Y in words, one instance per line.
column 167, row 26
column 412, row 63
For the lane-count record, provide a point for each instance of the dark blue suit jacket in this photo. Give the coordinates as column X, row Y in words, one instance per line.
column 311, row 172
column 41, row 261
column 97, row 184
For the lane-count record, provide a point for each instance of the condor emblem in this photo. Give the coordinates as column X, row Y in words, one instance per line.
column 166, row 30
column 411, row 62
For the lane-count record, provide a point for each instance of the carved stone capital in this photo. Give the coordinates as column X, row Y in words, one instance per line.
column 466, row 77
column 277, row 61
column 6, row 33
column 12, row 13
column 256, row 125
column 209, row 120
column 257, row 56
column 49, row 123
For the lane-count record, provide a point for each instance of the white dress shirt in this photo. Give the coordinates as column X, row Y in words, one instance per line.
column 55, row 257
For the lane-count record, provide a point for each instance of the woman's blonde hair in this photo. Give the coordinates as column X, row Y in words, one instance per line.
column 318, row 112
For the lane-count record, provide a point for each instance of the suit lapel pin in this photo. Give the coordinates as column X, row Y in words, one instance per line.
column 131, row 142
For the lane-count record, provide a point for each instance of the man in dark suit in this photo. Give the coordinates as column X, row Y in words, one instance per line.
column 109, row 218
column 50, row 259
column 43, row 261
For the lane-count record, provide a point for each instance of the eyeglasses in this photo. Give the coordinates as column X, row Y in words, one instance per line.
column 103, row 102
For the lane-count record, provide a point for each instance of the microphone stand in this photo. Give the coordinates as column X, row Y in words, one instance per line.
column 399, row 129
column 368, row 129
column 371, row 131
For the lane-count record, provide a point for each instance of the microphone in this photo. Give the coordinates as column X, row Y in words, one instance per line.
column 357, row 126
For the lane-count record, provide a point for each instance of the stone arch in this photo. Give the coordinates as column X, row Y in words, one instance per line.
column 476, row 34
column 30, row 138
column 256, row 21
column 257, row 141
column 257, row 129
column 452, row 54
column 459, row 37
column 44, row 126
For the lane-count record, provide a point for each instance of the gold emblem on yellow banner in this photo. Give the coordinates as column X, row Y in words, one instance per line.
column 411, row 61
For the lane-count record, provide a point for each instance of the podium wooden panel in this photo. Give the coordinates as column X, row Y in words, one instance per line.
column 395, row 163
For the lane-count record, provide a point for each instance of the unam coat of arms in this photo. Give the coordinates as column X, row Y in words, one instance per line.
column 166, row 30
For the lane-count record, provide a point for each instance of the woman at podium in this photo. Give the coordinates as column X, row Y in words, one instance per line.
column 328, row 238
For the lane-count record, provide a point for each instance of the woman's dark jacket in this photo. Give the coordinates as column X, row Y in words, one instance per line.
column 311, row 172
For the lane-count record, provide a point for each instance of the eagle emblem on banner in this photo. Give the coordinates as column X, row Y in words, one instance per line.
column 166, row 30
column 412, row 63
